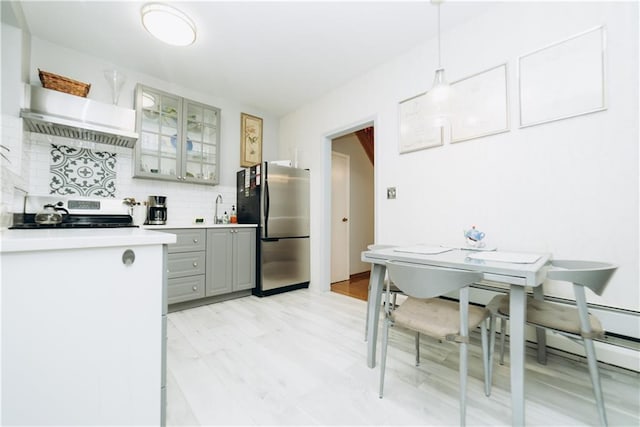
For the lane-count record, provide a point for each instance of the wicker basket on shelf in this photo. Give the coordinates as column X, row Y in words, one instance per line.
column 63, row 84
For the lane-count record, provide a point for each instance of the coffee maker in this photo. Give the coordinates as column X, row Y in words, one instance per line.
column 157, row 210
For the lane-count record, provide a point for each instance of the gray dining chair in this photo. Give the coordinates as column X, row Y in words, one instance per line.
column 424, row 313
column 394, row 291
column 572, row 321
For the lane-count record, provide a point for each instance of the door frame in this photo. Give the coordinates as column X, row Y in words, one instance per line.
column 325, row 268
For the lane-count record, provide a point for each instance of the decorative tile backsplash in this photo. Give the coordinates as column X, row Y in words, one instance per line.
column 185, row 201
column 82, row 172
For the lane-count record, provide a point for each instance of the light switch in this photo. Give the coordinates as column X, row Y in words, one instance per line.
column 391, row 192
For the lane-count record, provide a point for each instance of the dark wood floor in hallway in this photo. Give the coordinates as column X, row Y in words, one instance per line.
column 357, row 286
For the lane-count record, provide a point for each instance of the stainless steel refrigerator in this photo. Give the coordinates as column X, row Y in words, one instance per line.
column 276, row 198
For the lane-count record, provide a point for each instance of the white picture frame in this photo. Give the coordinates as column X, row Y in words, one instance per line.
column 479, row 104
column 564, row 79
column 415, row 133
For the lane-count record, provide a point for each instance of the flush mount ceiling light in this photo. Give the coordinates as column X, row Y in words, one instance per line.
column 168, row 24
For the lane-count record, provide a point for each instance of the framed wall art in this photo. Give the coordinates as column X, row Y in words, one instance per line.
column 415, row 132
column 565, row 79
column 480, row 105
column 250, row 140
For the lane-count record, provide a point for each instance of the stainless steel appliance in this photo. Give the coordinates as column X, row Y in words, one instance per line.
column 71, row 212
column 277, row 199
column 157, row 210
column 56, row 113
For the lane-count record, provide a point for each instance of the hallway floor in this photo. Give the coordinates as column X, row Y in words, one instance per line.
column 357, row 286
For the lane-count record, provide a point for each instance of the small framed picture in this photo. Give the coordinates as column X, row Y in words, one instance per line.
column 415, row 131
column 250, row 140
column 480, row 105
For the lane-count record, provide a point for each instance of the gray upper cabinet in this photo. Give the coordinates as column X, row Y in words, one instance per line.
column 179, row 138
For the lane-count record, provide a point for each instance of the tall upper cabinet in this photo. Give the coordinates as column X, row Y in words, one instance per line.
column 179, row 138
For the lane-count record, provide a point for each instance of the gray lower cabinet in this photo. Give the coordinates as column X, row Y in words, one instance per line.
column 210, row 262
column 231, row 255
column 186, row 265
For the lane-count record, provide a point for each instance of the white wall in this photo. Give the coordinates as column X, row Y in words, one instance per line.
column 568, row 187
column 15, row 45
column 361, row 201
column 185, row 201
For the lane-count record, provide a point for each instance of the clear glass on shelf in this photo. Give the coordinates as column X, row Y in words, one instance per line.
column 116, row 80
column 208, row 153
column 150, row 120
column 209, row 134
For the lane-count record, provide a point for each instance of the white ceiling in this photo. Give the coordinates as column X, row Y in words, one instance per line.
column 275, row 56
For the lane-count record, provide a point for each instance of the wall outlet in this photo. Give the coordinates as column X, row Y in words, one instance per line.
column 391, row 192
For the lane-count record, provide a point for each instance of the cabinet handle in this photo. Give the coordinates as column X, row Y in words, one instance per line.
column 195, row 288
column 128, row 257
column 179, row 177
column 195, row 240
column 195, row 264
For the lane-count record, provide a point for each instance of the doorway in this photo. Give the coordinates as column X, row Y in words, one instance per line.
column 352, row 226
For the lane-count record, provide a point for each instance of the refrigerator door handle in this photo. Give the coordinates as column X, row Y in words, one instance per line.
column 266, row 207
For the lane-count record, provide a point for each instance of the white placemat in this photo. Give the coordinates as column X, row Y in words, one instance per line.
column 471, row 248
column 422, row 249
column 514, row 257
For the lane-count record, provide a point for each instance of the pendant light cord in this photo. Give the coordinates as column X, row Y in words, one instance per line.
column 439, row 58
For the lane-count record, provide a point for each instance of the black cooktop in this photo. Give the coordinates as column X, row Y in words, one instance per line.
column 27, row 222
column 64, row 225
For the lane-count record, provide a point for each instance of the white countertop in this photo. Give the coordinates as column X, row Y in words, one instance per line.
column 174, row 226
column 79, row 238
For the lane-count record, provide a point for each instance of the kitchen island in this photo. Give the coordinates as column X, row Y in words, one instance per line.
column 83, row 326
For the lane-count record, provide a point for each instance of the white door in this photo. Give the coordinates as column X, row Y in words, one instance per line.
column 339, row 217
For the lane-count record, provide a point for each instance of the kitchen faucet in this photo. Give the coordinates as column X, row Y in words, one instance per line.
column 219, row 201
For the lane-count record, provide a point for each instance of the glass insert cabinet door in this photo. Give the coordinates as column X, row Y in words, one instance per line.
column 179, row 138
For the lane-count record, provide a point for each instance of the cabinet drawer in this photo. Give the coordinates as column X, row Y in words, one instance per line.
column 185, row 289
column 185, row 264
column 188, row 240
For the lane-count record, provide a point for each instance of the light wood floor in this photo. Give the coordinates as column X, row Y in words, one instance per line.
column 299, row 358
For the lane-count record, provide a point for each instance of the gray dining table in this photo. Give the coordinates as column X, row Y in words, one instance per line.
column 517, row 274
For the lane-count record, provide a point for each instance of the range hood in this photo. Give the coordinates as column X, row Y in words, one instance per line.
column 57, row 113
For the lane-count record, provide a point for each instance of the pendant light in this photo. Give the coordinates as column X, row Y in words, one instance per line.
column 168, row 24
column 440, row 90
